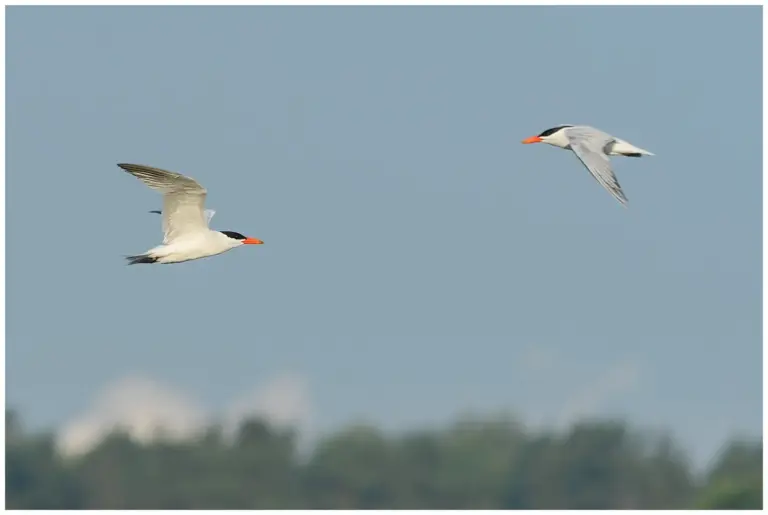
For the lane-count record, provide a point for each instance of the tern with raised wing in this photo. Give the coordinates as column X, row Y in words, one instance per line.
column 593, row 147
column 185, row 221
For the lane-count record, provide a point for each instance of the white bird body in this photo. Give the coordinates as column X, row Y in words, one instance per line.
column 185, row 221
column 593, row 147
column 192, row 246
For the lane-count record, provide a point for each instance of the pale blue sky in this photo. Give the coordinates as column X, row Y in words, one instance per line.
column 419, row 260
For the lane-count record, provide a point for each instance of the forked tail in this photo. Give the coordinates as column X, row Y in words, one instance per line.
column 624, row 148
column 140, row 259
column 638, row 152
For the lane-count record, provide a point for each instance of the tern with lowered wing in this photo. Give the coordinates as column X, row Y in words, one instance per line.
column 185, row 221
column 593, row 147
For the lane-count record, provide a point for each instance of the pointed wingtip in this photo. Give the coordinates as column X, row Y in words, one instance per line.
column 140, row 259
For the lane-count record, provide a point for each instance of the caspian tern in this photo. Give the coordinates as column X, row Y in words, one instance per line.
column 593, row 147
column 185, row 223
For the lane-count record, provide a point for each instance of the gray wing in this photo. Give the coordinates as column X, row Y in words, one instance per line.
column 588, row 144
column 183, row 199
column 208, row 214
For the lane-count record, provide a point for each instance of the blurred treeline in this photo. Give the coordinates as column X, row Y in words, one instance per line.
column 475, row 463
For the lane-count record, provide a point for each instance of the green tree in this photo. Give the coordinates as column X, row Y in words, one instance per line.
column 35, row 475
column 599, row 465
column 477, row 455
column 353, row 469
column 255, row 471
column 735, row 482
column 477, row 462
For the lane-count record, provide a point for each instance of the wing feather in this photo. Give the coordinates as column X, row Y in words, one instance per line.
column 588, row 144
column 183, row 199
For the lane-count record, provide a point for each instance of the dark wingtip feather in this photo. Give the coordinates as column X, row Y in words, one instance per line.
column 131, row 167
column 140, row 259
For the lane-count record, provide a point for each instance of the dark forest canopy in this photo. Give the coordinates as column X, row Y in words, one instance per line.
column 491, row 463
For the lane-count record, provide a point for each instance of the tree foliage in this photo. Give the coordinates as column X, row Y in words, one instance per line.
column 475, row 463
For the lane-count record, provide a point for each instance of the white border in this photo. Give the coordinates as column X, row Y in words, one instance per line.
column 765, row 145
column 675, row 3
column 372, row 3
column 2, row 244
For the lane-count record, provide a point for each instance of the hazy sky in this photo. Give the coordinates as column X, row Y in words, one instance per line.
column 419, row 260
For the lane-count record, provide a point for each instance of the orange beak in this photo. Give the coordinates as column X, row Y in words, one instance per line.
column 252, row 241
column 532, row 139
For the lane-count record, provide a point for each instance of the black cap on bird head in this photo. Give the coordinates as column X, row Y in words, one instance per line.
column 553, row 130
column 243, row 239
column 544, row 134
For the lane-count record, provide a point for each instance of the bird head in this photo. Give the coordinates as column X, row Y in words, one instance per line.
column 240, row 239
column 554, row 136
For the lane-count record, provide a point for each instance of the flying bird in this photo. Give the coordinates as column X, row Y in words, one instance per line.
column 185, row 222
column 593, row 147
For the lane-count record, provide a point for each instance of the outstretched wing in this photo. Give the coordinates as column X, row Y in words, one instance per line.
column 183, row 199
column 208, row 214
column 589, row 146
